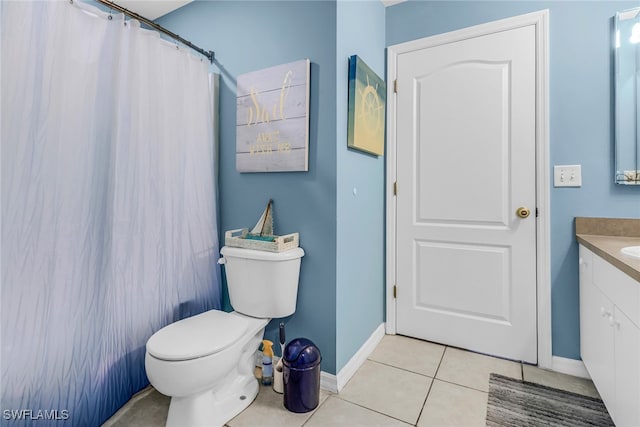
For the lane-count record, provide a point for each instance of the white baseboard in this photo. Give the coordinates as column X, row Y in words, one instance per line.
column 569, row 367
column 359, row 358
column 328, row 382
column 335, row 383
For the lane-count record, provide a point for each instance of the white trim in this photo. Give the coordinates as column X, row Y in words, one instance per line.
column 391, row 260
column 569, row 367
column 543, row 252
column 543, row 188
column 335, row 383
column 328, row 382
column 359, row 357
column 388, row 3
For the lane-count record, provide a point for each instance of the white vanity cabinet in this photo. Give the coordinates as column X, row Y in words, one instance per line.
column 610, row 335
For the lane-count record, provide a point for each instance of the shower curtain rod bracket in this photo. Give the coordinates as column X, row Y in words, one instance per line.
column 208, row 53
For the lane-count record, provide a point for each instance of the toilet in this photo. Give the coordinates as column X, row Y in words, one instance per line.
column 206, row 362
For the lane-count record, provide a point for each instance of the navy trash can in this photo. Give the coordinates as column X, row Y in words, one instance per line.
column 301, row 375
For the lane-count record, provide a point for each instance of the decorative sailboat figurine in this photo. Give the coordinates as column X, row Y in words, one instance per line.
column 261, row 237
column 263, row 230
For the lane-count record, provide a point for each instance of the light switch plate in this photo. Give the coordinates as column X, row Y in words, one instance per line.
column 567, row 176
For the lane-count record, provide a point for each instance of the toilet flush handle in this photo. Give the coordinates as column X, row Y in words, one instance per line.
column 222, row 260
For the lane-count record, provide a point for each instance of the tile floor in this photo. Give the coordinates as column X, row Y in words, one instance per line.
column 404, row 382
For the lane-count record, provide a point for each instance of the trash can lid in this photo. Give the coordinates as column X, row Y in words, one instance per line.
column 301, row 353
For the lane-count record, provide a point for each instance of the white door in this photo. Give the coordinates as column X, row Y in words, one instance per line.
column 466, row 153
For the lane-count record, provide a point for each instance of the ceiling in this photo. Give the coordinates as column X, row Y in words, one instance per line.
column 153, row 9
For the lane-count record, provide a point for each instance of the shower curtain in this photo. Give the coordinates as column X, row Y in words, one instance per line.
column 109, row 227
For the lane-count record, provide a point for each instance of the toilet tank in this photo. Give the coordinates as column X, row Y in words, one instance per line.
column 262, row 284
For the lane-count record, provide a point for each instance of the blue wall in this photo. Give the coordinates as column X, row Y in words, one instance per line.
column 581, row 122
column 248, row 36
column 360, row 228
column 342, row 283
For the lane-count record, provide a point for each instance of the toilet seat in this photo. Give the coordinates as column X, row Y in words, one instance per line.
column 198, row 336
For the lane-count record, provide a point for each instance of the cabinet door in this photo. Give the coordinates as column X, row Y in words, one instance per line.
column 596, row 340
column 585, row 261
column 627, row 362
column 585, row 267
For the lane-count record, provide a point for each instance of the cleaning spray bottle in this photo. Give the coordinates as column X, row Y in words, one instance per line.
column 267, row 362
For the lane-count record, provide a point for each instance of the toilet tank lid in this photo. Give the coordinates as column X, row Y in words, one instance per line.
column 197, row 336
column 262, row 255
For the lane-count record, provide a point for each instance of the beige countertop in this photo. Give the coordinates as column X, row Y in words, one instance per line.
column 607, row 236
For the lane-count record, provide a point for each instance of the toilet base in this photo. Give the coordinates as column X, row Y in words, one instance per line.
column 213, row 409
column 227, row 398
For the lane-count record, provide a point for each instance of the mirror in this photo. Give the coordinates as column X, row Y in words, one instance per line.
column 627, row 96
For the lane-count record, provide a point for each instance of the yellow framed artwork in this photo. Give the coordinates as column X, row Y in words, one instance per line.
column 367, row 101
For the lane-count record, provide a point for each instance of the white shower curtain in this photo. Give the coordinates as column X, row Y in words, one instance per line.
column 109, row 227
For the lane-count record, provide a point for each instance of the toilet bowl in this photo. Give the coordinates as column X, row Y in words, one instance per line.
column 206, row 362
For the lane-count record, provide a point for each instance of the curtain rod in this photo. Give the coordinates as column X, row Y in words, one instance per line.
column 209, row 54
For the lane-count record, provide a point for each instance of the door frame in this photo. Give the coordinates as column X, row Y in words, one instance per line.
column 540, row 20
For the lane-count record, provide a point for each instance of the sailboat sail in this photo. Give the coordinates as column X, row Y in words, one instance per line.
column 263, row 230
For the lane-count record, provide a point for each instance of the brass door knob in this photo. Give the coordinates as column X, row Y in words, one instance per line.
column 523, row 212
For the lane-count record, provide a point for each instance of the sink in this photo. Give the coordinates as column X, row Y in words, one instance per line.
column 632, row 251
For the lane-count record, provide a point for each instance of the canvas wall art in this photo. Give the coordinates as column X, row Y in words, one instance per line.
column 272, row 122
column 367, row 101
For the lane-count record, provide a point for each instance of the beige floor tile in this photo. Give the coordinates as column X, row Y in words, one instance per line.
column 561, row 381
column 454, row 405
column 147, row 410
column 337, row 412
column 411, row 354
column 472, row 369
column 268, row 410
column 391, row 391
